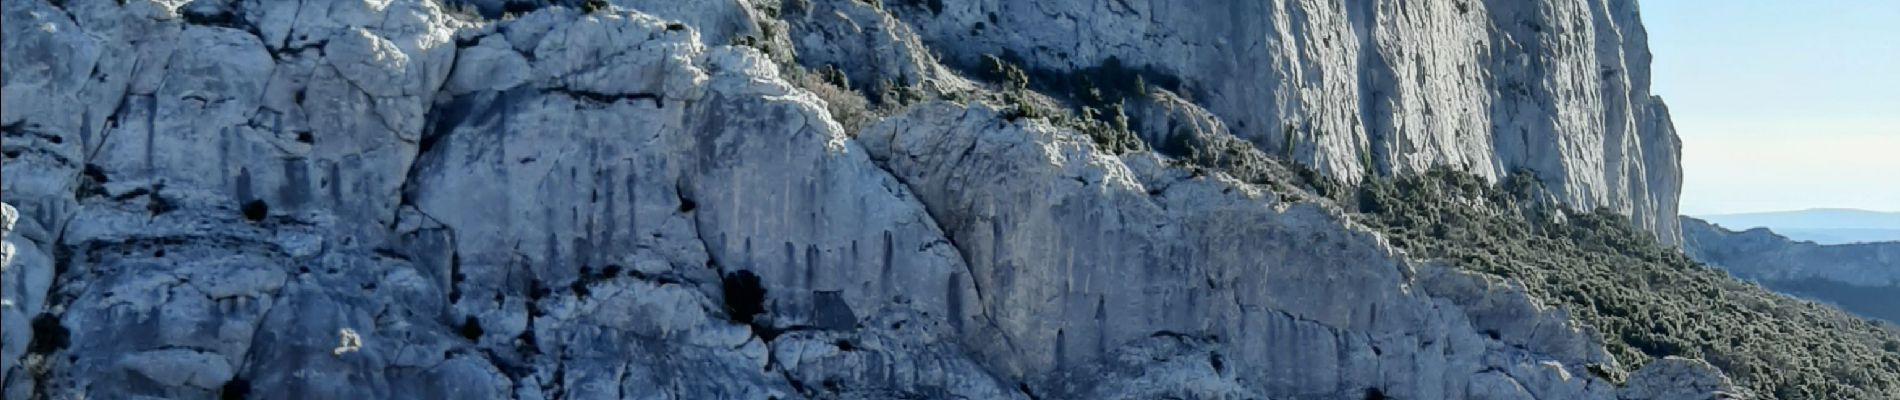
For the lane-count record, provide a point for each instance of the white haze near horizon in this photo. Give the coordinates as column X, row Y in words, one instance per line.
column 1781, row 105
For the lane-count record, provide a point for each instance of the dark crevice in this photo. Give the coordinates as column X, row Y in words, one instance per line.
column 316, row 45
column 1375, row 394
column 528, row 345
column 582, row 284
column 92, row 182
column 1024, row 387
column 55, row 157
column 49, row 335
column 390, row 253
column 455, row 278
column 687, row 205
column 256, row 210
column 1172, row 335
column 463, row 42
column 832, row 385
column 797, row 386
column 518, row 7
column 156, row 203
column 132, row 194
column 610, row 271
column 744, row 295
column 24, row 130
column 934, row 6
column 514, row 369
column 236, row 389
column 661, row 279
column 605, row 98
column 471, row 328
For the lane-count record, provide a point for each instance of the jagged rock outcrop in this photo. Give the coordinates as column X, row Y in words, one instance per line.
column 1863, row 277
column 1559, row 87
column 385, row 199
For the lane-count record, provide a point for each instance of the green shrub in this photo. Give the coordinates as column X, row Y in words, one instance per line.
column 1649, row 300
column 850, row 109
column 835, row 76
column 1105, row 123
column 594, row 6
column 1008, row 73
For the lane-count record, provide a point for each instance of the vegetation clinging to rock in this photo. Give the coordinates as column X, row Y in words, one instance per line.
column 1648, row 300
column 1104, row 121
column 850, row 109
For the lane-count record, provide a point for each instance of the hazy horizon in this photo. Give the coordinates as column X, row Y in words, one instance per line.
column 1795, row 211
column 1781, row 106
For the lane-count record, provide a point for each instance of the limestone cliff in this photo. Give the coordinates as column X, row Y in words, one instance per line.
column 1557, row 87
column 394, row 199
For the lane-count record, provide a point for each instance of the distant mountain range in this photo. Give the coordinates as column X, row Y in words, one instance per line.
column 1820, row 225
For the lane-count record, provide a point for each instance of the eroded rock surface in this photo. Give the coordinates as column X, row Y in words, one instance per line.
column 388, row 199
column 1559, row 87
column 1063, row 239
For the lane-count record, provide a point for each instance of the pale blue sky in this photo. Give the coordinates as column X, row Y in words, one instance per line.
column 1781, row 105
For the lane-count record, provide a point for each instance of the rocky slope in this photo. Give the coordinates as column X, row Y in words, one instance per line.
column 1560, row 88
column 391, row 199
column 1863, row 277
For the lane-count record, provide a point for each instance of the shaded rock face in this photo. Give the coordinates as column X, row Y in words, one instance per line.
column 384, row 199
column 1863, row 278
column 1558, row 87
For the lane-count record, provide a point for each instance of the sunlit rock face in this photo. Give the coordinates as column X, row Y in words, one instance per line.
column 402, row 199
column 1557, row 87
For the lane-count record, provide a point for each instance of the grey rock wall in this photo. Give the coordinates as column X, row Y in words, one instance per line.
column 1075, row 253
column 383, row 199
column 1558, row 87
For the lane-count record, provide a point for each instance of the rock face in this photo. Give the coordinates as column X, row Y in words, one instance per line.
column 1863, row 278
column 1076, row 254
column 385, row 199
column 26, row 273
column 1557, row 87
column 1680, row 378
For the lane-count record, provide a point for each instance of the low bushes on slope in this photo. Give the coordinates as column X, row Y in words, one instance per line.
column 1649, row 300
